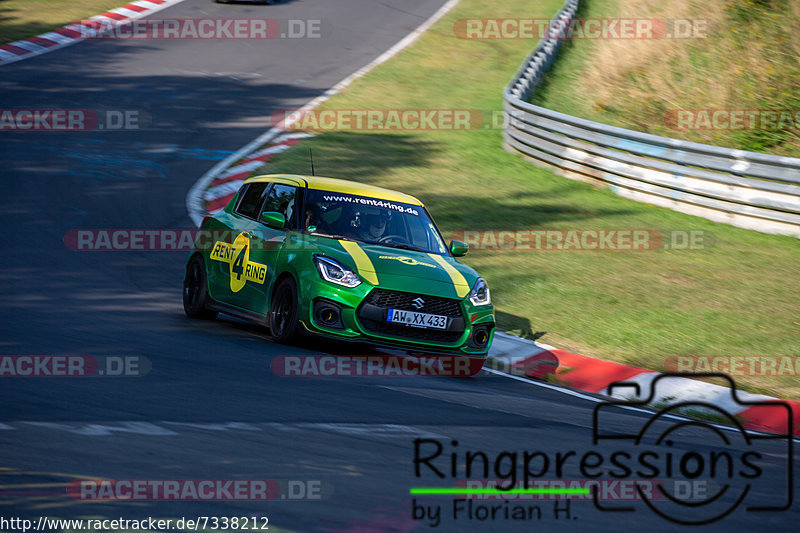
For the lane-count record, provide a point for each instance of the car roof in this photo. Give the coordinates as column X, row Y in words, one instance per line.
column 338, row 185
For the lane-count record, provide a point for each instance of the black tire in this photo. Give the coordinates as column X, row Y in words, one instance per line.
column 283, row 316
column 195, row 290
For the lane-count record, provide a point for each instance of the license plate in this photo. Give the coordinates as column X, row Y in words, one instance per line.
column 418, row 320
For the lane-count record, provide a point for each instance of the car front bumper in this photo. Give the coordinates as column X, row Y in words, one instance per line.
column 356, row 314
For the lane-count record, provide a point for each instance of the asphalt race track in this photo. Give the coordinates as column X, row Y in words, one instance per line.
column 210, row 407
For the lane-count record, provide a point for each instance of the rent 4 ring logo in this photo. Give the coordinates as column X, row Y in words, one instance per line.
column 237, row 255
column 690, row 463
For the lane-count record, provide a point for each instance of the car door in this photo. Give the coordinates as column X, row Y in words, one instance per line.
column 229, row 257
column 268, row 243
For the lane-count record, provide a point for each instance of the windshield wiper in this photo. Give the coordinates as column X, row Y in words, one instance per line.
column 406, row 247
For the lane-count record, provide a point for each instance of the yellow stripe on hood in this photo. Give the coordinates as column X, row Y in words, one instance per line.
column 460, row 284
column 363, row 264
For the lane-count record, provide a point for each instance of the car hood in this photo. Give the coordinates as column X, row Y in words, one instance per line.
column 402, row 270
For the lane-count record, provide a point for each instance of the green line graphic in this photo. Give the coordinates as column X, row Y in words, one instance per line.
column 438, row 491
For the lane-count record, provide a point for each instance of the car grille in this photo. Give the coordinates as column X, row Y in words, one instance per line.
column 402, row 300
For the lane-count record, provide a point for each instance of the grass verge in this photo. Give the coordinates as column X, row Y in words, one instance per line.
column 736, row 295
column 21, row 19
column 743, row 57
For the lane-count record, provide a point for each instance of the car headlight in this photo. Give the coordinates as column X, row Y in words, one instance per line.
column 335, row 272
column 480, row 293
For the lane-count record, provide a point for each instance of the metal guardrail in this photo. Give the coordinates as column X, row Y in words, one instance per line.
column 746, row 189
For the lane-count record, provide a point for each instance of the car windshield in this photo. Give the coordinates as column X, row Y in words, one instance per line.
column 372, row 221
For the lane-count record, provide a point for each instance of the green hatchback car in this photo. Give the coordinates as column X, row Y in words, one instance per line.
column 340, row 259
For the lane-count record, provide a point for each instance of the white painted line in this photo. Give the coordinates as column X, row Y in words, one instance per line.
column 5, row 427
column 223, row 426
column 5, row 55
column 194, row 199
column 371, row 430
column 102, row 430
column 546, row 386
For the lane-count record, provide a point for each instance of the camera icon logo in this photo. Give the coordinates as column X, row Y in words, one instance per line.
column 696, row 443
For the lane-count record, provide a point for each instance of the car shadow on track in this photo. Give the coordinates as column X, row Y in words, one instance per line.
column 518, row 325
column 304, row 342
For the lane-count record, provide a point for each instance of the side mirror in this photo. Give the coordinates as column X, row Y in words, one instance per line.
column 273, row 219
column 458, row 248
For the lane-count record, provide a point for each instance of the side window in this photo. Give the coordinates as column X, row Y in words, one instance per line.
column 281, row 199
column 251, row 200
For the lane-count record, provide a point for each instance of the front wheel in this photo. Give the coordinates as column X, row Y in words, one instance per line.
column 195, row 290
column 283, row 316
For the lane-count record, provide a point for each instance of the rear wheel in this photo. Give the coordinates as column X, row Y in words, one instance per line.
column 283, row 317
column 195, row 290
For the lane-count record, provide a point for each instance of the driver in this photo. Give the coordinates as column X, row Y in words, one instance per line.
column 312, row 217
column 373, row 226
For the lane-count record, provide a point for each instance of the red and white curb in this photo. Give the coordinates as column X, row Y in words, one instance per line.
column 73, row 33
column 225, row 185
column 532, row 359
